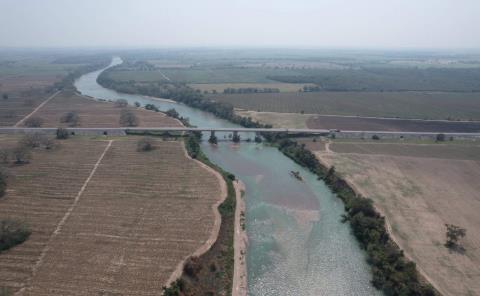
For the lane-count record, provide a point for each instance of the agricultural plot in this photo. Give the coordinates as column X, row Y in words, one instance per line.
column 202, row 75
column 277, row 120
column 139, row 215
column 19, row 104
column 420, row 188
column 382, row 124
column 220, row 87
column 421, row 105
column 92, row 113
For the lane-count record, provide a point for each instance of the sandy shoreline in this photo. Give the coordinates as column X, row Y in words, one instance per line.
column 216, row 226
column 239, row 286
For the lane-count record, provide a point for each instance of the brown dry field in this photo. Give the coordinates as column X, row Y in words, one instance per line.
column 19, row 104
column 26, row 82
column 383, row 124
column 139, row 216
column 96, row 114
column 419, row 188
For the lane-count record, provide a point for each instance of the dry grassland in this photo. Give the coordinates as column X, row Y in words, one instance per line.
column 96, row 114
column 20, row 104
column 138, row 217
column 419, row 188
column 277, row 120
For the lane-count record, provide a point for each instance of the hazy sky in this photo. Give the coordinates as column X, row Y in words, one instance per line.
column 305, row 23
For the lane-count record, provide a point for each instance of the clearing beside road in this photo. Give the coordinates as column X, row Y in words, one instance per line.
column 420, row 188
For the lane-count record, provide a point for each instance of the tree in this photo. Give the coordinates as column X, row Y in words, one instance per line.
column 33, row 140
column 5, row 96
column 375, row 137
column 151, row 107
column 258, row 139
column 62, row 133
column 454, row 233
column 128, row 118
column 21, row 154
column 121, row 103
column 12, row 233
column 213, row 139
column 145, row 144
column 34, row 122
column 3, row 181
column 440, row 137
column 71, row 118
column 236, row 138
column 4, row 156
column 172, row 113
column 137, row 104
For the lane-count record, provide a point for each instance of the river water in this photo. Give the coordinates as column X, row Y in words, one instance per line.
column 297, row 244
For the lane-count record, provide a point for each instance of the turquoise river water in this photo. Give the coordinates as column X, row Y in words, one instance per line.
column 297, row 244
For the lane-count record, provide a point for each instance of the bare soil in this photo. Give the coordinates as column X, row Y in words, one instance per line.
column 383, row 124
column 96, row 114
column 419, row 188
column 140, row 214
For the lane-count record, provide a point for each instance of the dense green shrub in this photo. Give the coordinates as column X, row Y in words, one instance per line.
column 12, row 233
column 62, row 134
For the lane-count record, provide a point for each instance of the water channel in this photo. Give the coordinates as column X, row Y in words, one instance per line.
column 297, row 244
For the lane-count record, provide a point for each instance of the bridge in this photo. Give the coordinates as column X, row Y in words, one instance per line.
column 119, row 131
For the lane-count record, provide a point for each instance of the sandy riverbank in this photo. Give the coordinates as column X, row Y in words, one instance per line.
column 239, row 287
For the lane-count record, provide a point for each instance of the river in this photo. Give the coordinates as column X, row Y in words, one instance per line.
column 297, row 244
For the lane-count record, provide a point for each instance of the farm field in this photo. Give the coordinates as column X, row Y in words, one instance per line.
column 276, row 119
column 92, row 113
column 20, row 104
column 421, row 105
column 383, row 124
column 137, row 217
column 419, row 188
column 219, row 87
column 202, row 75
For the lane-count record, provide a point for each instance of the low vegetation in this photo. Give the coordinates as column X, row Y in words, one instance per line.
column 34, row 121
column 128, row 118
column 12, row 233
column 145, row 144
column 454, row 234
column 71, row 118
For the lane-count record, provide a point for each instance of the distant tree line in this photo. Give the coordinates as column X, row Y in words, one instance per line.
column 311, row 88
column 179, row 92
column 250, row 90
column 392, row 271
column 69, row 79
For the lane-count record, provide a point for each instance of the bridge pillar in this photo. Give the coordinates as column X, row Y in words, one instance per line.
column 212, row 133
column 235, row 134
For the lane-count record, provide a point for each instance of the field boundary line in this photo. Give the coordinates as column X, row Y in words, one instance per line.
column 36, row 109
column 205, row 247
column 64, row 219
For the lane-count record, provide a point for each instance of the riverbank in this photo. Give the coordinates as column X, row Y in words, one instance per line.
column 240, row 243
column 392, row 271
